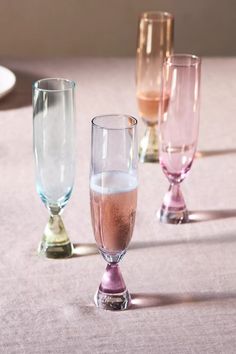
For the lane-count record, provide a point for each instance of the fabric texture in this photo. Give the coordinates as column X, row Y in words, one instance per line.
column 182, row 278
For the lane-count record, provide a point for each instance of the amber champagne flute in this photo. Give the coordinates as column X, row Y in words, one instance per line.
column 155, row 44
column 113, row 198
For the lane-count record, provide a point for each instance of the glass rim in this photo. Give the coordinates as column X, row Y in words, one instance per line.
column 71, row 83
column 94, row 124
column 161, row 16
column 195, row 60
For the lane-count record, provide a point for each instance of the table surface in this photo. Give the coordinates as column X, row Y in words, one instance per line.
column 182, row 278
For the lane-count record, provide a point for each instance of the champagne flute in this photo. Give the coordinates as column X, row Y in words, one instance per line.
column 113, row 200
column 178, row 130
column 155, row 43
column 54, row 149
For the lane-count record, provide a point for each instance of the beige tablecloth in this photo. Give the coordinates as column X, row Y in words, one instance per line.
column 182, row 278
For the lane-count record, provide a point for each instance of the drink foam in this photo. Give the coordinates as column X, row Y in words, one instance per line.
column 112, row 182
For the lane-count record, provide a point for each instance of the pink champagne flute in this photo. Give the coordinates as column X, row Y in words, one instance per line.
column 113, row 200
column 178, row 130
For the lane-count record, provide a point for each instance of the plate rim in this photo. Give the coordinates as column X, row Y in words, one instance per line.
column 9, row 89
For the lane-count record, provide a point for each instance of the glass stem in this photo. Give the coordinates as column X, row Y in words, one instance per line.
column 173, row 210
column 55, row 242
column 54, row 210
column 112, row 280
column 175, row 193
column 148, row 148
column 55, row 228
column 174, row 198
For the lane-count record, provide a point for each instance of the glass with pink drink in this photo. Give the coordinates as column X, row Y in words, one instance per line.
column 113, row 200
column 178, row 130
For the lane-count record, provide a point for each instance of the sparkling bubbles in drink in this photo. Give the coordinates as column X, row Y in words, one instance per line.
column 113, row 197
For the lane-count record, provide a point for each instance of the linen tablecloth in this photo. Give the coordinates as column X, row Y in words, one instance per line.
column 182, row 278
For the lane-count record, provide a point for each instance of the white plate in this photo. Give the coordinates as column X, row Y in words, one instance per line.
column 7, row 81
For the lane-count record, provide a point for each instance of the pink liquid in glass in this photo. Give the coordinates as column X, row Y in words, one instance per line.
column 113, row 200
column 149, row 103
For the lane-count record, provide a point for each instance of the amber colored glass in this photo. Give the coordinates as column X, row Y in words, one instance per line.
column 154, row 45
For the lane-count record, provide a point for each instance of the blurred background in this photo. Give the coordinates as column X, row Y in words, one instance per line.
column 49, row 28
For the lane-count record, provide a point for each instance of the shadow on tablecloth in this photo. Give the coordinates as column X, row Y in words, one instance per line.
column 144, row 300
column 89, row 249
column 84, row 249
column 208, row 215
column 219, row 239
column 208, row 153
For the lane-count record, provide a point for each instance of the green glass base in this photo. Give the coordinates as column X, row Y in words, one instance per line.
column 148, row 158
column 55, row 242
column 55, row 251
column 148, row 147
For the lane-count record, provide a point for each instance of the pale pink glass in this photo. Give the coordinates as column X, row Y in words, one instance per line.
column 113, row 200
column 178, row 130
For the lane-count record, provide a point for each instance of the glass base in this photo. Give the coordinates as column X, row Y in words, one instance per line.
column 112, row 302
column 148, row 147
column 55, row 251
column 153, row 158
column 55, row 242
column 173, row 217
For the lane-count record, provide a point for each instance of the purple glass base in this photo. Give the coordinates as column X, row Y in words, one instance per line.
column 112, row 293
column 173, row 209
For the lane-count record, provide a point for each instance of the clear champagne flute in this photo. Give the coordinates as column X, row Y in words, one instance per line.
column 113, row 200
column 54, row 149
column 155, row 43
column 178, row 130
